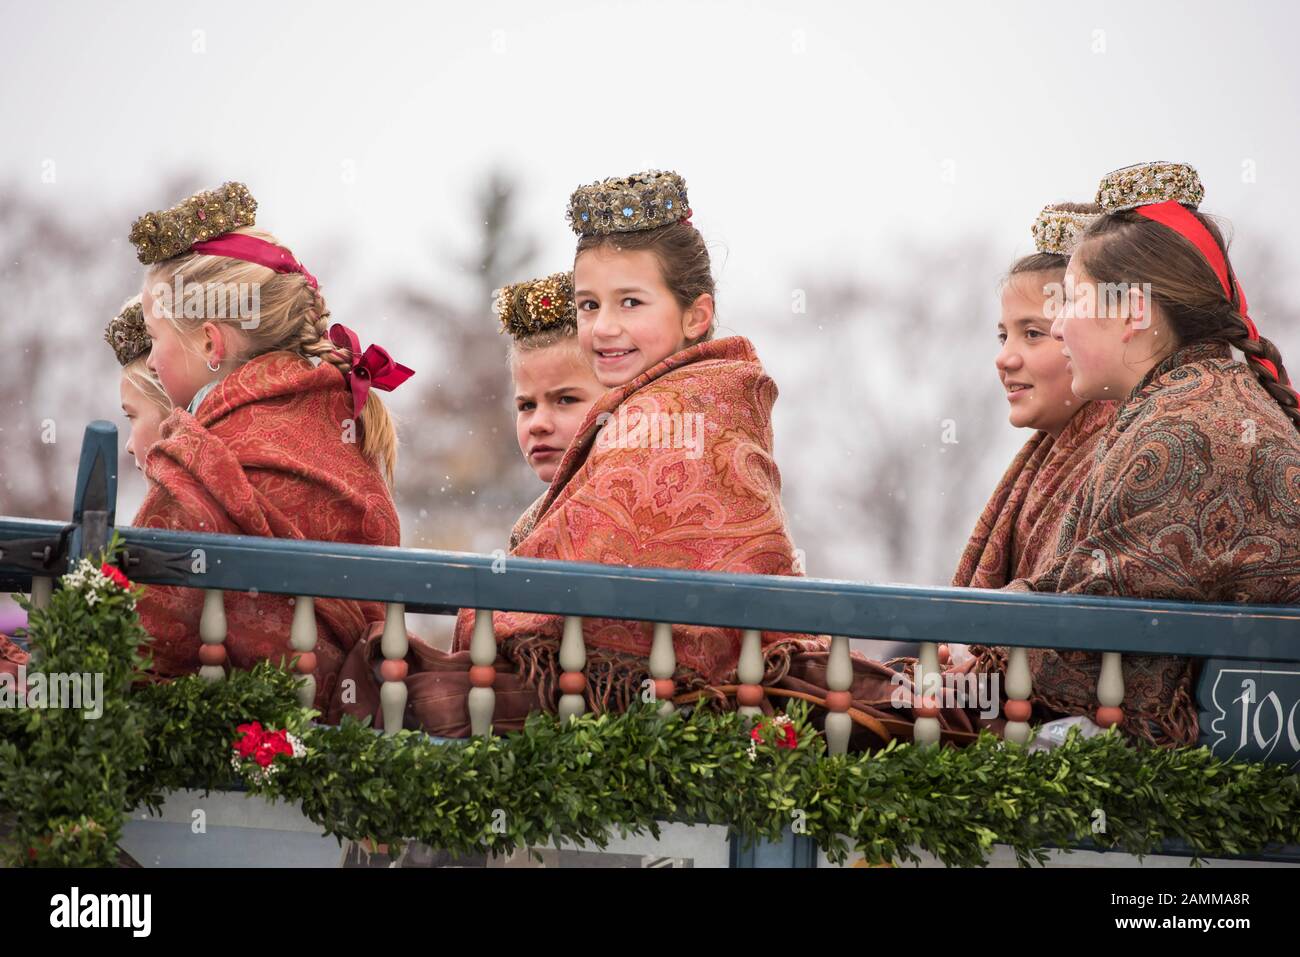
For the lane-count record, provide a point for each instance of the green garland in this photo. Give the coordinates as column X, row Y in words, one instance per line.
column 622, row 774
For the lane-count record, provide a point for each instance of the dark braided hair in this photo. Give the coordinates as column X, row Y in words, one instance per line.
column 1123, row 246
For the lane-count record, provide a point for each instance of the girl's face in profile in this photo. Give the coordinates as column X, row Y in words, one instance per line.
column 628, row 318
column 1097, row 334
column 144, row 417
column 1033, row 370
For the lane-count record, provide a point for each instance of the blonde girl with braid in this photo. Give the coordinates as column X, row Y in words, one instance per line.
column 277, row 429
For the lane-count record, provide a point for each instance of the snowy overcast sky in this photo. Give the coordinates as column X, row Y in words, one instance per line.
column 811, row 134
column 820, row 142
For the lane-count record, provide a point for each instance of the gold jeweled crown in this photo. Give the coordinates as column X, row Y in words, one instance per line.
column 126, row 333
column 1147, row 183
column 206, row 215
column 537, row 305
column 1057, row 230
column 621, row 205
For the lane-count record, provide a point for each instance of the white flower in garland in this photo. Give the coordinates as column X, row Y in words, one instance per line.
column 95, row 584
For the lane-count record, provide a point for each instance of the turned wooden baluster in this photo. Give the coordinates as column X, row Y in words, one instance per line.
column 925, row 707
column 212, row 632
column 483, row 654
column 750, row 672
column 42, row 589
column 1110, row 690
column 839, row 678
column 1019, row 687
column 302, row 639
column 663, row 665
column 573, row 658
column 42, row 592
column 392, row 693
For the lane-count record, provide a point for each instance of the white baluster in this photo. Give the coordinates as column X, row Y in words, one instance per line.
column 1020, row 686
column 663, row 665
column 42, row 589
column 394, row 644
column 573, row 658
column 1110, row 690
column 302, row 639
column 42, row 592
column 926, row 687
column 212, row 632
column 483, row 654
column 839, row 678
column 750, row 672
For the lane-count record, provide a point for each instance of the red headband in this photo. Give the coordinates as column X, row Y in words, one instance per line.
column 253, row 250
column 1179, row 218
column 374, row 367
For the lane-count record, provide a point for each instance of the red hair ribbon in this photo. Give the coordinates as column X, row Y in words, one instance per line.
column 1179, row 218
column 374, row 367
column 253, row 250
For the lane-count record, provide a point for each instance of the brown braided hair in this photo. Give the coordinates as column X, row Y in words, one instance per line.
column 1126, row 246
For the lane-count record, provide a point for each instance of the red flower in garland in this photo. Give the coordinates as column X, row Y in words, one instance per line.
column 249, row 740
column 116, row 575
column 786, row 737
column 261, row 745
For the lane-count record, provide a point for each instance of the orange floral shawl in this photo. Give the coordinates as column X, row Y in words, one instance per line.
column 627, row 493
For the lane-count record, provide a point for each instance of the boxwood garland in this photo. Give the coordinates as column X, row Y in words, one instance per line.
column 609, row 774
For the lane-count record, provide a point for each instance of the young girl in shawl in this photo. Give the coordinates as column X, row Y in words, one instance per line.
column 145, row 405
column 673, row 465
column 1019, row 526
column 276, row 431
column 1196, row 483
column 144, row 401
column 672, row 468
column 553, row 382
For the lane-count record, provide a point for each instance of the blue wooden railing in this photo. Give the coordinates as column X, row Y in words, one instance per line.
column 1249, row 691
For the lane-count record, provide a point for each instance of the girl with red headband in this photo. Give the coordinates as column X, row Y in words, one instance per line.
column 276, row 431
column 1195, row 490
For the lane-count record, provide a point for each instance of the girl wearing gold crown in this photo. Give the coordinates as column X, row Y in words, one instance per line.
column 1194, row 491
column 144, row 401
column 276, row 431
column 671, row 468
column 1020, row 524
column 554, row 385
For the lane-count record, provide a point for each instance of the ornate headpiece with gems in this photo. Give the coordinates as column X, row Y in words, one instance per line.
column 537, row 305
column 640, row 201
column 126, row 334
column 1149, row 183
column 1057, row 230
column 214, row 212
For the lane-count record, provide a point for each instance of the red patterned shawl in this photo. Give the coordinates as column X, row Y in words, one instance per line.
column 265, row 455
column 713, row 507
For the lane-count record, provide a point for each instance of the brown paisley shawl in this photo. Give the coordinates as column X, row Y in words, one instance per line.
column 1195, row 496
column 1020, row 525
